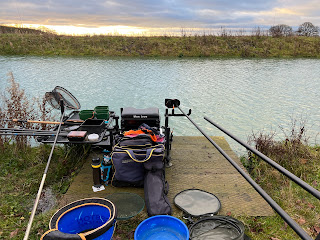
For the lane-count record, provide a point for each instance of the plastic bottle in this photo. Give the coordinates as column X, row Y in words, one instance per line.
column 96, row 171
column 106, row 166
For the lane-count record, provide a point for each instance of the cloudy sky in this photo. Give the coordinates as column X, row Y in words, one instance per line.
column 161, row 15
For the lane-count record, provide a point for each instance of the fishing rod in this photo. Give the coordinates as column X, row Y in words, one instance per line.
column 33, row 212
column 58, row 98
column 281, row 169
column 294, row 225
column 68, row 129
column 61, row 134
column 44, row 122
column 30, row 132
column 30, row 121
column 11, row 130
column 3, row 132
column 24, row 129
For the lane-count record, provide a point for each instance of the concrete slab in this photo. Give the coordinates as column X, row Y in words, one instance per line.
column 196, row 164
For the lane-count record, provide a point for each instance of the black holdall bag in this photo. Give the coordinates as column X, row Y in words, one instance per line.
column 156, row 188
column 128, row 163
column 140, row 163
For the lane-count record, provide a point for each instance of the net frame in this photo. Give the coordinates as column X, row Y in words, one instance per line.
column 189, row 212
column 60, row 93
column 206, row 225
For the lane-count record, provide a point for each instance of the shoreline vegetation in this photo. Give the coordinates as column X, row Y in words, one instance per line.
column 295, row 154
column 20, row 41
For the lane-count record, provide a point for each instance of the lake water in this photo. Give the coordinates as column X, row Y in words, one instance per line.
column 242, row 95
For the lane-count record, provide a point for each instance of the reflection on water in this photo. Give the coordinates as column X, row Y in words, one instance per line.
column 242, row 95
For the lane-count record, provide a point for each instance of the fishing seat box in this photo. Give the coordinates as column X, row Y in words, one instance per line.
column 132, row 118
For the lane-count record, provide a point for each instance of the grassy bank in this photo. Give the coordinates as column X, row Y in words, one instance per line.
column 166, row 46
column 21, row 172
column 298, row 157
column 22, row 167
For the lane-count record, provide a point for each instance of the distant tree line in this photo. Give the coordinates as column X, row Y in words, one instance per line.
column 305, row 29
column 281, row 30
column 23, row 30
column 6, row 29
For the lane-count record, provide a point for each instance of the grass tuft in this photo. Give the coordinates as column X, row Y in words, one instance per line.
column 294, row 154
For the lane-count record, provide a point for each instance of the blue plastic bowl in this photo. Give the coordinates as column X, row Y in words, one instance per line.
column 162, row 227
column 94, row 218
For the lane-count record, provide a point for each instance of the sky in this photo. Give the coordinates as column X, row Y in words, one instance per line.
column 157, row 16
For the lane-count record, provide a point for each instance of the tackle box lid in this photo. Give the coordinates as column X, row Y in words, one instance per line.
column 76, row 135
column 135, row 113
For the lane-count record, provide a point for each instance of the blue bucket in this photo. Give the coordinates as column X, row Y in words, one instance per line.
column 91, row 218
column 162, row 227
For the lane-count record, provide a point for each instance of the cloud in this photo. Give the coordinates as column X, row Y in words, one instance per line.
column 233, row 5
column 160, row 13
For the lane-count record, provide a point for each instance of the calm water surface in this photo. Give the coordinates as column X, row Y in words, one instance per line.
column 243, row 96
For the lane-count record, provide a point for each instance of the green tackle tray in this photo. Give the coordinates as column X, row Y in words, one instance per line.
column 101, row 112
column 86, row 114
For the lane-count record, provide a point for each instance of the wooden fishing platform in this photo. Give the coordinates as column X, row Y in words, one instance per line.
column 196, row 164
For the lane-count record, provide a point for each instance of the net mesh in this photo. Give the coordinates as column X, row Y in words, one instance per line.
column 196, row 202
column 128, row 204
column 215, row 229
column 60, row 93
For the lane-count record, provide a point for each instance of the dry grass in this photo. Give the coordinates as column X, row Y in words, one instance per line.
column 258, row 45
column 22, row 166
column 16, row 105
column 294, row 154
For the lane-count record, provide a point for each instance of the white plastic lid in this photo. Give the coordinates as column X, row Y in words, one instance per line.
column 93, row 137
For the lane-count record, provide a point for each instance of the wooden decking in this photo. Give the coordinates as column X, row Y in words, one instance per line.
column 196, row 164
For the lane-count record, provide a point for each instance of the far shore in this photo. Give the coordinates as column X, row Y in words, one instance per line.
column 39, row 43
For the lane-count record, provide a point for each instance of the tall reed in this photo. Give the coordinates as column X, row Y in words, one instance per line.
column 294, row 154
column 17, row 105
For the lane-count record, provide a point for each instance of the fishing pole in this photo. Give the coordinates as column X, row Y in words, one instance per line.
column 30, row 121
column 281, row 169
column 8, row 130
column 34, row 134
column 33, row 212
column 58, row 98
column 294, row 225
column 44, row 122
column 31, row 132
column 68, row 129
column 25, row 130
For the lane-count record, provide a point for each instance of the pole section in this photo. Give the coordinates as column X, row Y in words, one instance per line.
column 281, row 169
column 295, row 226
column 33, row 212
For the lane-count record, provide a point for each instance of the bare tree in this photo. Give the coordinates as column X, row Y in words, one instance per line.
column 308, row 29
column 281, row 30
